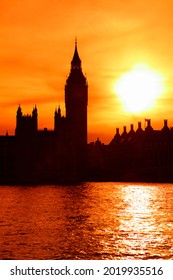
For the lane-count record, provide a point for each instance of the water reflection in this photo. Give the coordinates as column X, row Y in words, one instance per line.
column 90, row 221
column 145, row 226
column 136, row 223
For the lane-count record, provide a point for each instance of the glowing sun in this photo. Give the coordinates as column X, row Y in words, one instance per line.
column 139, row 88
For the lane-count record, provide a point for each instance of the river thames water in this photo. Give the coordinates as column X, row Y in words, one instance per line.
column 90, row 221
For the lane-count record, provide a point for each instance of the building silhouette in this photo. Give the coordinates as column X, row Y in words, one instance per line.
column 44, row 156
column 141, row 155
column 62, row 155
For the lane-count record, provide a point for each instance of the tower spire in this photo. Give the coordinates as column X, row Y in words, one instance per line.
column 76, row 62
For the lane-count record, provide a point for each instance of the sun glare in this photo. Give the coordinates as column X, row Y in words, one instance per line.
column 139, row 88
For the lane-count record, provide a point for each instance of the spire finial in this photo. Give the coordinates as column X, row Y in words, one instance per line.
column 75, row 41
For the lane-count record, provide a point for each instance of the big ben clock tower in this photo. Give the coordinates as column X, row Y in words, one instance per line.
column 76, row 99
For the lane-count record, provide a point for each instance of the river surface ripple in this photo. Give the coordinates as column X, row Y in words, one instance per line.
column 89, row 221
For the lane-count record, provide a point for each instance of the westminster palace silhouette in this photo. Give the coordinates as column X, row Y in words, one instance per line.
column 62, row 155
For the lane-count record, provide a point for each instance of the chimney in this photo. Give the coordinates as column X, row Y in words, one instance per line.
column 131, row 127
column 165, row 123
column 117, row 131
column 148, row 122
column 139, row 125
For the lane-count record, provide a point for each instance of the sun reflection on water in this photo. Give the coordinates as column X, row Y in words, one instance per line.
column 89, row 221
column 141, row 222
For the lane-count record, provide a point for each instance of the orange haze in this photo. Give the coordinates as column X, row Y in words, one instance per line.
column 37, row 44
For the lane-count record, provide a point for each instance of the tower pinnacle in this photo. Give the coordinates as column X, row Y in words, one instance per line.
column 76, row 62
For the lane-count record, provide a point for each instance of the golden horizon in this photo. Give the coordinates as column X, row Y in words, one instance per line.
column 37, row 44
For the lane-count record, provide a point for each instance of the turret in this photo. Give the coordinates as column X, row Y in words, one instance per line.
column 19, row 111
column 59, row 111
column 35, row 118
column 18, row 118
column 19, row 114
column 58, row 121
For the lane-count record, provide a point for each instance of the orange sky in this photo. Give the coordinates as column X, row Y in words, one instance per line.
column 37, row 45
